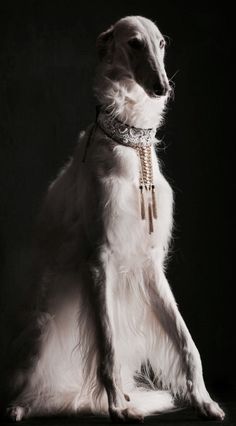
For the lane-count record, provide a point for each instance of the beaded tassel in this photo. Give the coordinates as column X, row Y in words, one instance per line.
column 146, row 183
column 150, row 218
column 142, row 202
column 154, row 202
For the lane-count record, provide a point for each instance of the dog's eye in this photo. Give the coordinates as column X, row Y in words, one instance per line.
column 136, row 43
column 161, row 43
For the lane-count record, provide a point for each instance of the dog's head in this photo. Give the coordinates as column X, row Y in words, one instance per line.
column 134, row 49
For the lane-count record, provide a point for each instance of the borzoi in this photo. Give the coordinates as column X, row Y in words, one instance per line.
column 106, row 335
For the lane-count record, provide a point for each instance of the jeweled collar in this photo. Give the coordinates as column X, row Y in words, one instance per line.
column 123, row 133
column 141, row 141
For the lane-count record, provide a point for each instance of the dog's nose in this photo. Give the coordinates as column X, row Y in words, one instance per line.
column 160, row 89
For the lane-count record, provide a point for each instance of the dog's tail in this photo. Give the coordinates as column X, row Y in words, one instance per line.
column 152, row 401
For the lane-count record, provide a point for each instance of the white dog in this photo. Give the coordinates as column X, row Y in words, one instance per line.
column 106, row 335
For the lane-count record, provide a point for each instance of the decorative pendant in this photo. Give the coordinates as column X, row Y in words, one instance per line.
column 142, row 202
column 150, row 218
column 154, row 202
column 146, row 186
column 140, row 140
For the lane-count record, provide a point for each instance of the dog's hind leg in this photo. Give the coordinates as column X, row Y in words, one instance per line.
column 101, row 276
column 166, row 310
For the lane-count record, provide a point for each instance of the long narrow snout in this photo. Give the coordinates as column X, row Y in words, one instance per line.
column 155, row 83
column 159, row 81
column 152, row 77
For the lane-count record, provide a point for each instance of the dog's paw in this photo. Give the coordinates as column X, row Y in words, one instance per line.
column 15, row 413
column 202, row 401
column 211, row 410
column 126, row 415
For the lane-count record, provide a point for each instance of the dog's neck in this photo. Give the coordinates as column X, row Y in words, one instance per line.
column 123, row 133
column 129, row 103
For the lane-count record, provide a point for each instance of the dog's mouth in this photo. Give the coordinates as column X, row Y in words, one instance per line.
column 156, row 95
column 156, row 90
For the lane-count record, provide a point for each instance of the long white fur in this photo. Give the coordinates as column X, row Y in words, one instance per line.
column 145, row 320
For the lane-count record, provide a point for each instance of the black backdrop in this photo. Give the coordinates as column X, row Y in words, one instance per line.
column 47, row 67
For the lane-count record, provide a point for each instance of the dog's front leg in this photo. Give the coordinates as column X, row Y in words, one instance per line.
column 102, row 279
column 166, row 310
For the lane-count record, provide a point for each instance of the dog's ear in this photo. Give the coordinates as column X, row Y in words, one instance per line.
column 104, row 43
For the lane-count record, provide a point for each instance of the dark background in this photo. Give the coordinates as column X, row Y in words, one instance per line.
column 47, row 67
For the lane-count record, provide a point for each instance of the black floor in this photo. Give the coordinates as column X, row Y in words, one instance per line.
column 181, row 418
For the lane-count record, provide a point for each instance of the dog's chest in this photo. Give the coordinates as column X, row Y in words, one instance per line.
column 127, row 231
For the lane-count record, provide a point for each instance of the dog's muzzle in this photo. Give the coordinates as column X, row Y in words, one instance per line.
column 160, row 89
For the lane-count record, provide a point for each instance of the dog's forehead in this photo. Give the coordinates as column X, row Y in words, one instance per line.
column 136, row 25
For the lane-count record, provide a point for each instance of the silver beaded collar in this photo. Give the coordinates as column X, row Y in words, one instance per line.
column 141, row 140
column 123, row 133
